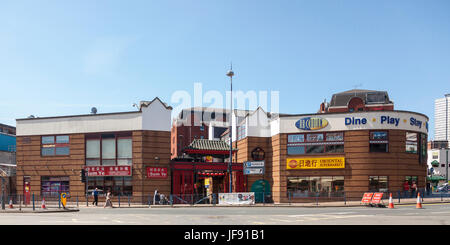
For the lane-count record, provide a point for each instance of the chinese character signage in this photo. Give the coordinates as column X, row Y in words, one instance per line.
column 315, row 163
column 156, row 173
column 108, row 171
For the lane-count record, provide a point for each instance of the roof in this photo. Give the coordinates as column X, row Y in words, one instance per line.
column 205, row 144
column 368, row 96
column 142, row 103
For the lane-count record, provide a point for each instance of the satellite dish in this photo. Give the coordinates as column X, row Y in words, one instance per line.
column 31, row 116
column 94, row 110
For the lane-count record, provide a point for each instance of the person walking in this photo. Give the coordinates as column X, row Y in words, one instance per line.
column 406, row 188
column 95, row 194
column 413, row 189
column 108, row 202
column 156, row 198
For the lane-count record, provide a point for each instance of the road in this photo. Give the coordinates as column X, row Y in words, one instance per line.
column 431, row 214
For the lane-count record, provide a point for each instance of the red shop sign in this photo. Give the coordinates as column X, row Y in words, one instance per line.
column 109, row 171
column 156, row 173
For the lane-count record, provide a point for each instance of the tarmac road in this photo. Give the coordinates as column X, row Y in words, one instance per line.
column 431, row 214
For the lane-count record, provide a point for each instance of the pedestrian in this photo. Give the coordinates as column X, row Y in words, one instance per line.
column 108, row 202
column 156, row 198
column 413, row 189
column 95, row 194
column 428, row 188
column 406, row 188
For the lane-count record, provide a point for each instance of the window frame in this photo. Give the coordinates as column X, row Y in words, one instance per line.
column 416, row 142
column 323, row 143
column 55, row 145
column 100, row 137
column 378, row 142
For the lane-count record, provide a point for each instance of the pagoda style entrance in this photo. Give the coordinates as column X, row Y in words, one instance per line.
column 203, row 173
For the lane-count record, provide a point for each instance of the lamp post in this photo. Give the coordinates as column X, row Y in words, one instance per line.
column 230, row 73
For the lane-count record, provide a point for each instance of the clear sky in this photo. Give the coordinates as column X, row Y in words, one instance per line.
column 64, row 57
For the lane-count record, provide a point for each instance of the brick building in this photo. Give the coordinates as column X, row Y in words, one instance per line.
column 120, row 151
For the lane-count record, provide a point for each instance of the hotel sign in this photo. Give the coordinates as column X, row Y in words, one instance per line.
column 311, row 123
column 315, row 163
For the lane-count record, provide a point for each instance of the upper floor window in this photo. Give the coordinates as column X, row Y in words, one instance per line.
column 315, row 143
column 241, row 132
column 379, row 141
column 109, row 150
column 55, row 145
column 411, row 142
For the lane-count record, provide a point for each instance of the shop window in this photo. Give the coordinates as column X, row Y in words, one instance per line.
column 378, row 183
column 55, row 185
column 411, row 142
column 379, row 141
column 319, row 143
column 324, row 186
column 118, row 185
column 55, row 145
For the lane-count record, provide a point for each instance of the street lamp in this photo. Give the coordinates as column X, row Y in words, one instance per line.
column 230, row 73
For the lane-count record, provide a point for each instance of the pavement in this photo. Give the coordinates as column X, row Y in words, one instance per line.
column 73, row 207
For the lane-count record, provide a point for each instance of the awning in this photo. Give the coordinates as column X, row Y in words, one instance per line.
column 435, row 178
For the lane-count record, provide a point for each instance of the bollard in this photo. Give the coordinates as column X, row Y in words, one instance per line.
column 119, row 200
column 128, row 200
column 59, row 201
column 20, row 204
column 345, row 199
column 77, row 201
column 171, row 200
column 33, row 201
column 398, row 196
column 289, row 193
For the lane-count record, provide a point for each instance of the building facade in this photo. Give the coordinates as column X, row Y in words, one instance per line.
column 336, row 154
column 442, row 119
column 121, row 152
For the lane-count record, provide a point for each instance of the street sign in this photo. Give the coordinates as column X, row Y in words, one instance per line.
column 254, row 171
column 254, row 167
column 254, row 164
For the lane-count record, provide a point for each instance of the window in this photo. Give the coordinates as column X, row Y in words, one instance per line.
column 379, row 141
column 117, row 185
column 109, row 150
column 411, row 142
column 241, row 132
column 311, row 186
column 55, row 145
column 54, row 186
column 378, row 183
column 317, row 143
column 423, row 148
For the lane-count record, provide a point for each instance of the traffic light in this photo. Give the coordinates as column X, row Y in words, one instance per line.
column 83, row 175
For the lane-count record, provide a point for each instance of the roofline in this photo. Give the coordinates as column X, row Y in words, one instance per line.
column 81, row 115
column 346, row 112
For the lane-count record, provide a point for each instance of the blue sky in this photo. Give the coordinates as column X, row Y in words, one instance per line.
column 64, row 57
